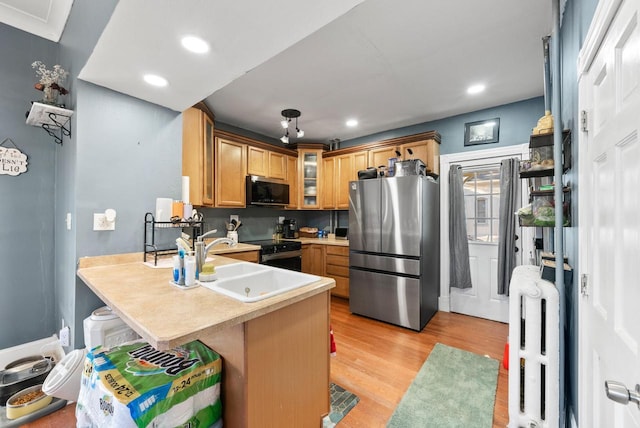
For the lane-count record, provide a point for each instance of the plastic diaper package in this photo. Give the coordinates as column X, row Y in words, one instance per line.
column 134, row 385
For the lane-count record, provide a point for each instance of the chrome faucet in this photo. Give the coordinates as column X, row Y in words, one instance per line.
column 202, row 250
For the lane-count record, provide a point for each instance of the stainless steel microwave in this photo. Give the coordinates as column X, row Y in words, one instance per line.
column 267, row 192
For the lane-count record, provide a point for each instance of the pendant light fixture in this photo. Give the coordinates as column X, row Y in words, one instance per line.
column 287, row 115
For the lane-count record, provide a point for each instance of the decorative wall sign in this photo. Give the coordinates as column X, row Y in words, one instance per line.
column 12, row 160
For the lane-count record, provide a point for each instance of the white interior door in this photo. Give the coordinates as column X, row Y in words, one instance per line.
column 609, row 67
column 482, row 194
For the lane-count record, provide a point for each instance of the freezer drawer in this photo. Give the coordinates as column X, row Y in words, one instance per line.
column 389, row 298
column 385, row 263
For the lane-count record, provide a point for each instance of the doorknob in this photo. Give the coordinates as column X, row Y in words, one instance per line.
column 619, row 393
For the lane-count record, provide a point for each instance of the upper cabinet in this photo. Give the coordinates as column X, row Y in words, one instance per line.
column 197, row 155
column 237, row 156
column 344, row 164
column 257, row 161
column 309, row 173
column 266, row 163
column 277, row 165
column 328, row 183
column 230, row 173
column 292, row 180
column 426, row 148
column 380, row 156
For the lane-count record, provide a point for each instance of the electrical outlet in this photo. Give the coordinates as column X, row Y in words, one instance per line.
column 234, row 217
column 68, row 221
column 100, row 222
column 65, row 336
column 281, row 219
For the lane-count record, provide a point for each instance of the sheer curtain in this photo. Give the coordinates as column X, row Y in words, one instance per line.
column 509, row 197
column 459, row 270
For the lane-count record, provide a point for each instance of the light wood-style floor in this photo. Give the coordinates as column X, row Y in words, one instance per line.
column 378, row 361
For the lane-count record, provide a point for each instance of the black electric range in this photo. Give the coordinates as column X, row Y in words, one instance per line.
column 282, row 254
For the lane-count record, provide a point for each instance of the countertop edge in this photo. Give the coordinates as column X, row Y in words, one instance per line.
column 246, row 311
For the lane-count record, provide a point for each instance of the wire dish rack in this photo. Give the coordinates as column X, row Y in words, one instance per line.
column 150, row 228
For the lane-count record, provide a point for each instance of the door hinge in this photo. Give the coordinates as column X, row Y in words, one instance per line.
column 584, row 280
column 583, row 121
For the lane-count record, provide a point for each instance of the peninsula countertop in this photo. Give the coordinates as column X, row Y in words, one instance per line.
column 167, row 316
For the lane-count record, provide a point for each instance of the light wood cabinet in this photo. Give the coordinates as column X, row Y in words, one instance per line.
column 230, row 172
column 313, row 259
column 309, row 174
column 197, row 155
column 337, row 267
column 266, row 163
column 380, row 156
column 328, row 183
column 427, row 151
column 292, row 180
column 277, row 165
column 247, row 256
column 338, row 171
column 257, row 161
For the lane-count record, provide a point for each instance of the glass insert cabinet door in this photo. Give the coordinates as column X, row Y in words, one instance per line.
column 310, row 179
column 309, row 167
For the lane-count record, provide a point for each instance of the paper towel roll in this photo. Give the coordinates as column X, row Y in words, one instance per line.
column 163, row 209
column 185, row 189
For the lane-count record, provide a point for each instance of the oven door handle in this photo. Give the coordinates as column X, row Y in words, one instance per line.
column 283, row 255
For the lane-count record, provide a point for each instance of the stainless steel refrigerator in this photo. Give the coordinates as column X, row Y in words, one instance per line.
column 394, row 249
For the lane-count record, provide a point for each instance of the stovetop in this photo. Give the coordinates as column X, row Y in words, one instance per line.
column 273, row 246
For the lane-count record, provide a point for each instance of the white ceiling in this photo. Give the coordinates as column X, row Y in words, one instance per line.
column 386, row 63
column 44, row 18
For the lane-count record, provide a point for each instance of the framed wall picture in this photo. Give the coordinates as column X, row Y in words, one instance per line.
column 481, row 132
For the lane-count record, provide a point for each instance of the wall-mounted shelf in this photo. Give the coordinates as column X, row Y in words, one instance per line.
column 539, row 170
column 51, row 118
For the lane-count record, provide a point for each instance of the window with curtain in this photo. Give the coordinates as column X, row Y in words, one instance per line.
column 482, row 203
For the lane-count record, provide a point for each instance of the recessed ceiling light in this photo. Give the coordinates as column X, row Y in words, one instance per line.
column 475, row 89
column 195, row 44
column 351, row 123
column 155, row 80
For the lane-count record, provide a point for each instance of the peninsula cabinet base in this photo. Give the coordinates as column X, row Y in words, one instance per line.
column 276, row 367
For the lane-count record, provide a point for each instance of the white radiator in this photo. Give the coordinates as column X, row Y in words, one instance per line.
column 533, row 350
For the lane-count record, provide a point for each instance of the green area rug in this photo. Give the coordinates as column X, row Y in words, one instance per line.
column 342, row 401
column 454, row 388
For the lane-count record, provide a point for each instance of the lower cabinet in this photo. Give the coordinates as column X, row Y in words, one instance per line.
column 247, row 256
column 313, row 259
column 328, row 260
column 337, row 267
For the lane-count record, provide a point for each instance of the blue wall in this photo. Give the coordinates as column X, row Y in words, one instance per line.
column 27, row 305
column 516, row 121
column 575, row 25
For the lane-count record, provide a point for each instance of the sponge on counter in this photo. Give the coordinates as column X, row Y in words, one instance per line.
column 208, row 268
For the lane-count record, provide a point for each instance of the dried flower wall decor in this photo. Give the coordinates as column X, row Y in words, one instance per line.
column 50, row 81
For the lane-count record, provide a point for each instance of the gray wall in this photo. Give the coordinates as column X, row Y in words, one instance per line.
column 27, row 305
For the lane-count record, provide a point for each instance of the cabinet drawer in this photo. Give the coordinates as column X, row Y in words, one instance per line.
column 340, row 251
column 337, row 260
column 332, row 270
column 342, row 287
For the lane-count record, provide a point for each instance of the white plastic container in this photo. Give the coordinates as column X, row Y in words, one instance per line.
column 64, row 380
column 104, row 328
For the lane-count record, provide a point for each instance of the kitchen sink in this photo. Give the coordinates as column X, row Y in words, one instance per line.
column 250, row 282
column 237, row 269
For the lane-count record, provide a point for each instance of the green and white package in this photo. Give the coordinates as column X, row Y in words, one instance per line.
column 134, row 385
